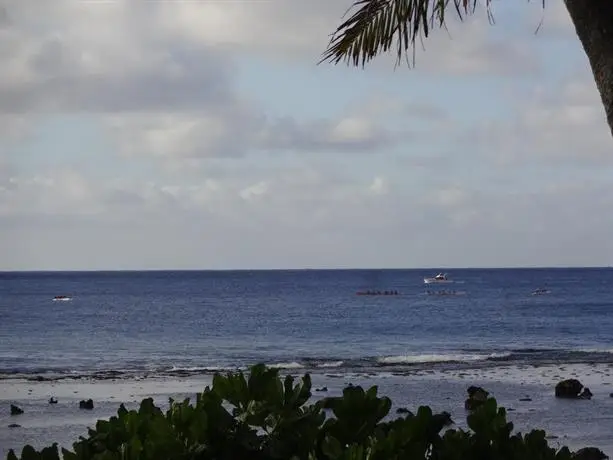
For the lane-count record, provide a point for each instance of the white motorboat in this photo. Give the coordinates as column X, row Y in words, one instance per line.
column 440, row 278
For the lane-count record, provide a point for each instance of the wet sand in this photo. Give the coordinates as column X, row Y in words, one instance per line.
column 576, row 423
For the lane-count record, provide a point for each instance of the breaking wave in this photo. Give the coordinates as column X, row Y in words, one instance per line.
column 463, row 359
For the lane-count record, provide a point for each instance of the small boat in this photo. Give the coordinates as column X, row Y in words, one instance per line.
column 440, row 278
column 61, row 298
column 388, row 292
column 541, row 291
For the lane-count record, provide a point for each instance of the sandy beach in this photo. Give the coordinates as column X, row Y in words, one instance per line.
column 573, row 423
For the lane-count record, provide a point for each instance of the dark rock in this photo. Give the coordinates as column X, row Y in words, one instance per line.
column 445, row 417
column 14, row 425
column 568, row 389
column 16, row 410
column 525, row 399
column 52, row 400
column 476, row 397
column 89, row 404
column 403, row 410
column 610, row 395
column 321, row 389
column 475, row 392
column 586, row 394
column 590, row 453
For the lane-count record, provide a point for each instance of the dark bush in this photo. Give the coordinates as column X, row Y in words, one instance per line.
column 264, row 416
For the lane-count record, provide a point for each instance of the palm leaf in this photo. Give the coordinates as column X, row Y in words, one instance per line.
column 378, row 25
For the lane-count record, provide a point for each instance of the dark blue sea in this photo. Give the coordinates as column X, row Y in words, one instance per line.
column 189, row 322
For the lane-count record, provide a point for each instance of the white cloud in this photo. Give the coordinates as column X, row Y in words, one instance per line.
column 101, row 57
column 353, row 130
column 292, row 28
column 161, row 73
column 155, row 90
column 178, row 135
column 123, row 56
column 379, row 186
column 270, row 26
column 564, row 122
column 161, row 79
column 150, row 225
column 55, row 193
column 234, row 132
column 254, row 191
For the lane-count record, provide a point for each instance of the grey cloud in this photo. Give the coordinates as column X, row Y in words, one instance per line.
column 5, row 19
column 318, row 136
column 104, row 57
column 236, row 130
column 151, row 86
column 168, row 83
column 180, row 83
column 122, row 198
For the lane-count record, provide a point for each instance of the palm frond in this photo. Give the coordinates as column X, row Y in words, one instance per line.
column 379, row 24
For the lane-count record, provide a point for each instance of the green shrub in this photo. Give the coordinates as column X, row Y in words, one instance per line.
column 264, row 416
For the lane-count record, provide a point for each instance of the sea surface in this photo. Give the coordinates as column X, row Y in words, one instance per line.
column 127, row 324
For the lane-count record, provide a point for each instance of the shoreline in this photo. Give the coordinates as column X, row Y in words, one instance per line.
column 526, row 391
column 341, row 367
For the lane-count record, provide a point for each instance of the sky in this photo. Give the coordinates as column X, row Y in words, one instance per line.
column 202, row 134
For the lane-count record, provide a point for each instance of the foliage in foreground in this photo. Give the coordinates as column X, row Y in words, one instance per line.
column 263, row 416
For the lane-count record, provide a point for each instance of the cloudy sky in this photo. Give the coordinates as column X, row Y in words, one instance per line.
column 202, row 134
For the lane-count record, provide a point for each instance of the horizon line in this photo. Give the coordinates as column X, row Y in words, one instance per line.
column 433, row 268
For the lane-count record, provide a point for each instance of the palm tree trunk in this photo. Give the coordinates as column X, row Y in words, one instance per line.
column 593, row 20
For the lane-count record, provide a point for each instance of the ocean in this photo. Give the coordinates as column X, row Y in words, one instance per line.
column 137, row 323
column 174, row 325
